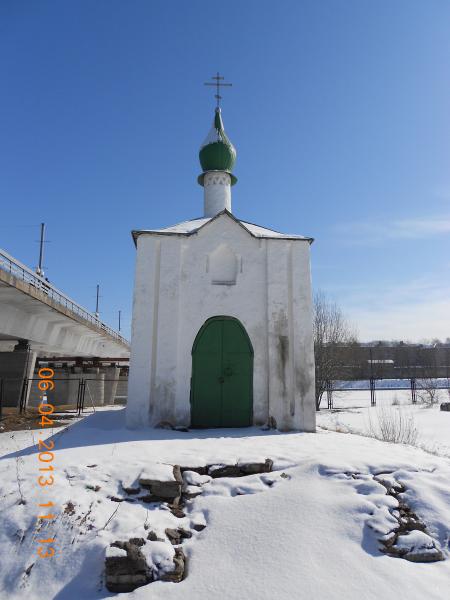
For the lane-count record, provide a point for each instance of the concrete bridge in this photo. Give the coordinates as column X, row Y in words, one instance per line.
column 37, row 319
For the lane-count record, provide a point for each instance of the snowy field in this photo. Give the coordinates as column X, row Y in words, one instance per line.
column 352, row 413
column 309, row 530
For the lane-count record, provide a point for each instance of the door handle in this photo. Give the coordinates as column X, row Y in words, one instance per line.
column 221, row 379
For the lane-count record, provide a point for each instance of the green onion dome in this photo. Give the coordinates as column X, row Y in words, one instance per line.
column 217, row 153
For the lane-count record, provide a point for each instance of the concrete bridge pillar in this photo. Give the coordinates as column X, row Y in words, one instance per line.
column 16, row 366
column 111, row 382
column 95, row 387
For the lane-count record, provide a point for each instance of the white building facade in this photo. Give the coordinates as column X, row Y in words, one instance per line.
column 222, row 317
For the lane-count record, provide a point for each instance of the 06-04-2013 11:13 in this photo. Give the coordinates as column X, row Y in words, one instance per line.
column 45, row 478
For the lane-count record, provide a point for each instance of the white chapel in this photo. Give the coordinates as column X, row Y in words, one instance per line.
column 222, row 316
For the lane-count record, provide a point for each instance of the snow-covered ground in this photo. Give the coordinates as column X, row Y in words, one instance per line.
column 353, row 414
column 308, row 530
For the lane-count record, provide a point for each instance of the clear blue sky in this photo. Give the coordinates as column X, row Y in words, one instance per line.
column 340, row 113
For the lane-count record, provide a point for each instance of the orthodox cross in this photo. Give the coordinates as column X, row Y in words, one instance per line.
column 218, row 84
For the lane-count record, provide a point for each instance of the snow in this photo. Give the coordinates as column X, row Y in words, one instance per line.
column 263, row 232
column 415, row 540
column 388, row 480
column 184, row 227
column 159, row 555
column 193, row 478
column 188, row 227
column 112, row 552
column 218, row 467
column 214, row 136
column 131, row 479
column 309, row 529
column 157, row 472
column 353, row 414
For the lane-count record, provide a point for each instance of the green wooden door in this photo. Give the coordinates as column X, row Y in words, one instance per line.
column 222, row 375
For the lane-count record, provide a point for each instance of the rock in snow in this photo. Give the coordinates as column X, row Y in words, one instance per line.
column 132, row 564
column 418, row 546
column 241, row 469
column 127, row 571
column 163, row 481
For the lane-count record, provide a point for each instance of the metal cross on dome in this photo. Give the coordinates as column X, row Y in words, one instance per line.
column 218, row 84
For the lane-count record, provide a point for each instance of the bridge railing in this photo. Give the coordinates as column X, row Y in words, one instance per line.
column 10, row 265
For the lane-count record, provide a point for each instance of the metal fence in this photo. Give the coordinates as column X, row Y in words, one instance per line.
column 375, row 384
column 10, row 265
column 78, row 394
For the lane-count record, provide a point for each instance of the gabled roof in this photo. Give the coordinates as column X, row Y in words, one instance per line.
column 187, row 228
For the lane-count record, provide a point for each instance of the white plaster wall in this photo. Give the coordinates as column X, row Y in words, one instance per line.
column 173, row 298
column 216, row 193
column 303, row 343
column 145, row 316
column 200, row 299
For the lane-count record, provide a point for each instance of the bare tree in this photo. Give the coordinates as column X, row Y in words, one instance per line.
column 331, row 332
column 428, row 391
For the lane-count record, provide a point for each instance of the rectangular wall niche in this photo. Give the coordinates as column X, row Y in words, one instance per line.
column 223, row 266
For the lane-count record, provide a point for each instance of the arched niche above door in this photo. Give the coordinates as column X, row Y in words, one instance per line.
column 223, row 265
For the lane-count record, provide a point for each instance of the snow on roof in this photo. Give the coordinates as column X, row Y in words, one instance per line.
column 183, row 227
column 259, row 231
column 192, row 226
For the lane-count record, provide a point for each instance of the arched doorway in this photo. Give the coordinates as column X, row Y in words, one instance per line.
column 222, row 375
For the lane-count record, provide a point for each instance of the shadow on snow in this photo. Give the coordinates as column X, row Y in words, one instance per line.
column 108, row 427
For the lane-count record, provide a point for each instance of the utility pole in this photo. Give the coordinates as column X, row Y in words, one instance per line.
column 120, row 312
column 96, row 302
column 40, row 270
